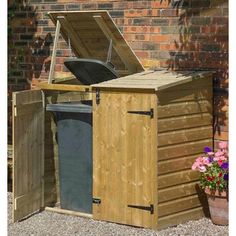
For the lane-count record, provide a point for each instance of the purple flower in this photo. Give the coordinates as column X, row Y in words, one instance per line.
column 226, row 176
column 207, row 149
column 210, row 158
column 225, row 166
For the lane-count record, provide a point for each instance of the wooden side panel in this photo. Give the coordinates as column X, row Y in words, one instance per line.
column 124, row 158
column 28, row 153
column 184, row 129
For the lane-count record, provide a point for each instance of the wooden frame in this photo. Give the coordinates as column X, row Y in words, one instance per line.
column 64, row 87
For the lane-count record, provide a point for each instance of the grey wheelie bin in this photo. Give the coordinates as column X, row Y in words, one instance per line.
column 74, row 133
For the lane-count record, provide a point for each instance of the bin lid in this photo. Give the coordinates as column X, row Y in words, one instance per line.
column 69, row 107
column 90, row 71
column 90, row 33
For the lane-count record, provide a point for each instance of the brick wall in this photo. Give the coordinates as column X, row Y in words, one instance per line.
column 186, row 34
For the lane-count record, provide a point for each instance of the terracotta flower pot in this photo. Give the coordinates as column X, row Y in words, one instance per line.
column 218, row 206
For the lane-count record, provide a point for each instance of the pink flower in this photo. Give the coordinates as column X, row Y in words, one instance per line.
column 223, row 145
column 220, row 156
column 205, row 161
column 202, row 168
column 219, row 153
column 201, row 163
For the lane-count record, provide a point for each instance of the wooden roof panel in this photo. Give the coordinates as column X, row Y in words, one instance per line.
column 155, row 80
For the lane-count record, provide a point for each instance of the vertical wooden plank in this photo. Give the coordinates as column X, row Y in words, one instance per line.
column 98, row 146
column 28, row 133
column 154, row 160
column 136, row 156
column 43, row 149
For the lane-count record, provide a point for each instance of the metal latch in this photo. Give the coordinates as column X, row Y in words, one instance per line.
column 96, row 201
column 147, row 113
column 145, row 208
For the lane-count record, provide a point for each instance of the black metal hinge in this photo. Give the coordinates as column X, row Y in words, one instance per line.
column 98, row 96
column 147, row 113
column 145, row 208
column 96, row 201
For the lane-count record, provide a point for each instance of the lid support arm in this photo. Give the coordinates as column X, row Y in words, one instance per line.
column 54, row 51
column 109, row 52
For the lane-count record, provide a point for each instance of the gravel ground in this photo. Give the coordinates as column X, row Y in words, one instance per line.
column 49, row 223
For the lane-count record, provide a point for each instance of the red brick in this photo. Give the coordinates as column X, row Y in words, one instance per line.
column 141, row 29
column 160, row 4
column 169, row 12
column 141, row 13
column 209, row 29
column 168, row 46
column 160, row 38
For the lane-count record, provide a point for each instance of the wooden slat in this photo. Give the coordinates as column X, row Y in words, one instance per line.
column 183, row 149
column 183, row 122
column 28, row 141
column 199, row 82
column 185, row 108
column 186, row 135
column 64, row 87
column 177, row 178
column 180, row 95
column 179, row 191
column 180, row 217
column 178, row 205
column 153, row 161
column 68, row 212
column 176, row 164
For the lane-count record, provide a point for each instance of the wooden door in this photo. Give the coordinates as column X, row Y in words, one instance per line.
column 125, row 159
column 28, row 153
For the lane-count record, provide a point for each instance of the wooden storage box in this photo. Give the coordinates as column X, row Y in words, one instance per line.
column 148, row 127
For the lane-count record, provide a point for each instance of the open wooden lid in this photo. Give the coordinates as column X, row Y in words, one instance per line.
column 90, row 33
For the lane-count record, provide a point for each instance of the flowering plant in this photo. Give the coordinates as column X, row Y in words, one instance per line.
column 214, row 168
